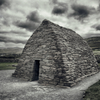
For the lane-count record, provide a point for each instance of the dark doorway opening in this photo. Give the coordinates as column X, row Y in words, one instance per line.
column 36, row 70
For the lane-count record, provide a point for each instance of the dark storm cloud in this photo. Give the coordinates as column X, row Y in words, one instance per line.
column 2, row 39
column 29, row 25
column 34, row 16
column 96, row 26
column 60, row 8
column 4, row 3
column 6, row 39
column 32, row 22
column 57, row 10
column 81, row 11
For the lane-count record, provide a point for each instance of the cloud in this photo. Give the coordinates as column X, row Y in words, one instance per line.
column 7, row 39
column 4, row 4
column 18, row 19
column 32, row 22
column 54, row 1
column 12, row 39
column 81, row 12
column 14, row 33
column 96, row 26
column 98, row 8
column 11, row 45
column 6, row 23
column 59, row 8
column 34, row 16
column 2, row 39
column 28, row 25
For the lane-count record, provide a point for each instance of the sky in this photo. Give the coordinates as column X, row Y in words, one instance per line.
column 20, row 18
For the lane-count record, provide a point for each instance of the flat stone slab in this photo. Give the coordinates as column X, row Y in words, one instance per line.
column 14, row 89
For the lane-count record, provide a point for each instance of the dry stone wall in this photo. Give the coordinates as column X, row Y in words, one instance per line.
column 65, row 58
column 77, row 56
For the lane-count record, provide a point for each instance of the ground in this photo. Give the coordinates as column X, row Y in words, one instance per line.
column 15, row 89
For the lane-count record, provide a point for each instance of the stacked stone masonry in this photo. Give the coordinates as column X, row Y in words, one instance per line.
column 65, row 58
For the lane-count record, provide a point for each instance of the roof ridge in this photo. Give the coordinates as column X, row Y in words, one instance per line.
column 45, row 21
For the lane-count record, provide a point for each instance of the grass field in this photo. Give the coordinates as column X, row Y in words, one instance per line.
column 96, row 52
column 7, row 66
column 93, row 92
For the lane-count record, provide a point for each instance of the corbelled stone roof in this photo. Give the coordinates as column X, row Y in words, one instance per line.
column 56, row 56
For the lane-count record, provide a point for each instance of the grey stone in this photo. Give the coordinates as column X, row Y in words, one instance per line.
column 54, row 55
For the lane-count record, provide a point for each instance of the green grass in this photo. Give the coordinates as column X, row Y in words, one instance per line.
column 96, row 52
column 7, row 66
column 93, row 92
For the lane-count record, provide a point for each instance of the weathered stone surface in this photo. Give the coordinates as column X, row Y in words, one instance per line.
column 64, row 57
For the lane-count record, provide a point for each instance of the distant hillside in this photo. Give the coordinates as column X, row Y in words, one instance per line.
column 10, row 54
column 94, row 42
column 11, row 51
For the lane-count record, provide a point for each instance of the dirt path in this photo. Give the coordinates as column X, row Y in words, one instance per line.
column 14, row 89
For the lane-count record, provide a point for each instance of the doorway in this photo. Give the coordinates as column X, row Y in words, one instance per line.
column 36, row 70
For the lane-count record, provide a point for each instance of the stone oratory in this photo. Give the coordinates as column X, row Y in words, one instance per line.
column 55, row 55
